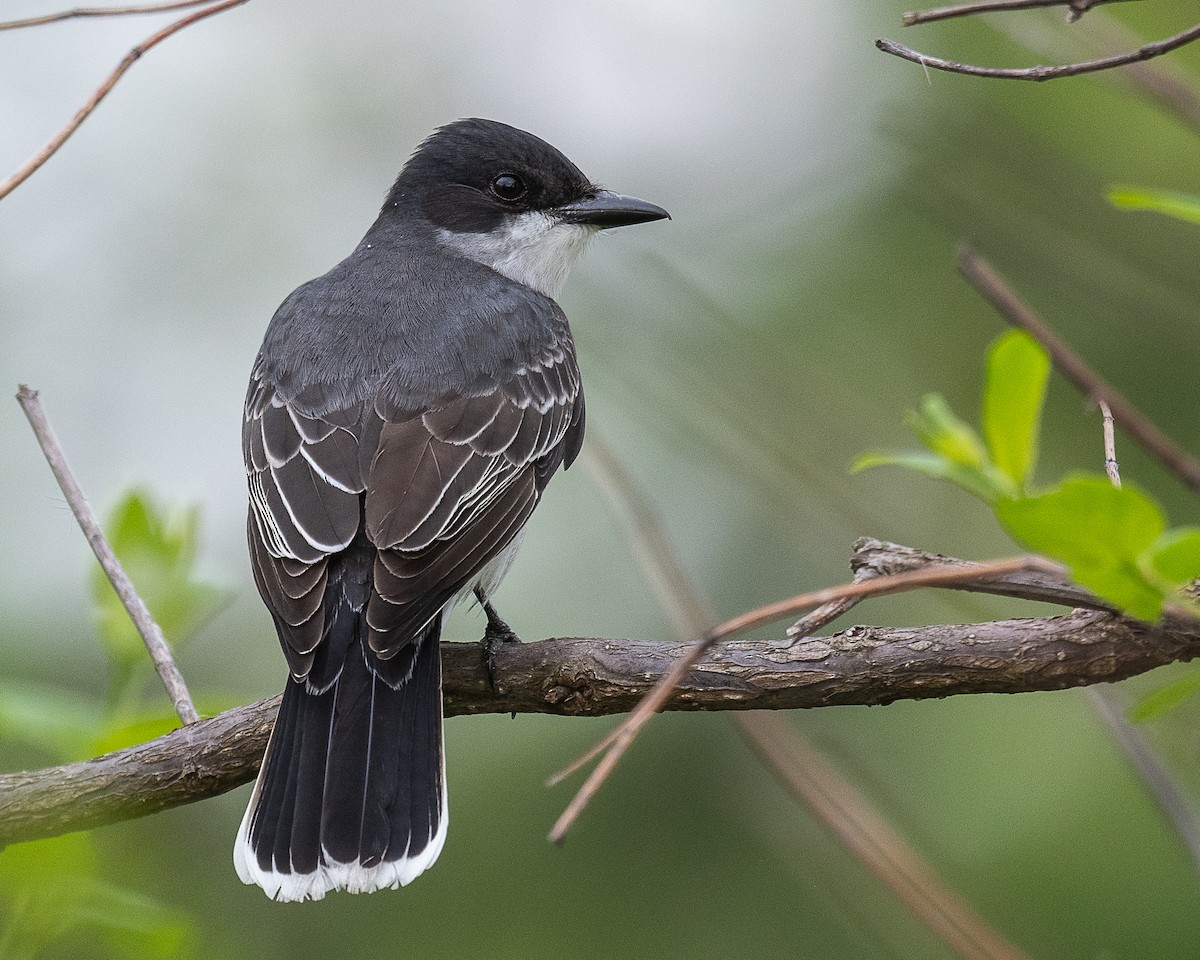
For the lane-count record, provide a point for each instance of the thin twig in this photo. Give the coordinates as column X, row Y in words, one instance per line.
column 801, row 767
column 80, row 12
column 1077, row 8
column 1111, row 466
column 27, row 169
column 654, row 701
column 160, row 653
column 1040, row 73
column 993, row 288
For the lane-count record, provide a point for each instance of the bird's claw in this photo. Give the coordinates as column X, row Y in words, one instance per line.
column 495, row 634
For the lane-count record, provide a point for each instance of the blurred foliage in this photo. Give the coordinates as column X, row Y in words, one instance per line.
column 157, row 547
column 53, row 889
column 1182, row 206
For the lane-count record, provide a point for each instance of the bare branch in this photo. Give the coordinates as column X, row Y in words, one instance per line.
column 993, row 288
column 151, row 635
column 1076, row 9
column 595, row 677
column 81, row 12
column 1040, row 73
column 624, row 736
column 27, row 169
column 878, row 558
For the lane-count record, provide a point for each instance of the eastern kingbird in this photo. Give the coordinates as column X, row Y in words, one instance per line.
column 404, row 414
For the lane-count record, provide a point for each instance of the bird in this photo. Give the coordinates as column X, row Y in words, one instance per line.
column 404, row 415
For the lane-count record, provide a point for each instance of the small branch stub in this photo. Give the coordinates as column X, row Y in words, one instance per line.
column 1111, row 466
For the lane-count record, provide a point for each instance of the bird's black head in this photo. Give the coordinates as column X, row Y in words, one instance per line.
column 505, row 199
column 473, row 176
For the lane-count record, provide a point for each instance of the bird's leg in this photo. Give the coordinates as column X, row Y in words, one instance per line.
column 497, row 632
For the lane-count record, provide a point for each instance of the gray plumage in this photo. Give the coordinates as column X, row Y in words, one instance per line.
column 404, row 415
column 359, row 403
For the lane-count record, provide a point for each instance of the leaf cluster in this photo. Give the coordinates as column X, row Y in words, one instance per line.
column 1114, row 540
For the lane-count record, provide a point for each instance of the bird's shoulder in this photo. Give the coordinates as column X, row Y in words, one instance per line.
column 406, row 325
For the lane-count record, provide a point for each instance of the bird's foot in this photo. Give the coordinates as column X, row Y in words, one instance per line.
column 495, row 634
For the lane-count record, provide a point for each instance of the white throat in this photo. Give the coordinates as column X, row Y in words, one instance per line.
column 531, row 248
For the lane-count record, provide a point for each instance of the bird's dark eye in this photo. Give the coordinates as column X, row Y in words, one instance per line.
column 508, row 186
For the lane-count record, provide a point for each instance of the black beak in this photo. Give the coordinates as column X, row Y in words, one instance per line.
column 605, row 209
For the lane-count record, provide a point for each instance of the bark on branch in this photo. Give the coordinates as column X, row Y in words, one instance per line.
column 575, row 676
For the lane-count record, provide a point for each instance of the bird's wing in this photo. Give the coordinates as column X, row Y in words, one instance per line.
column 306, row 482
column 450, row 488
column 439, row 492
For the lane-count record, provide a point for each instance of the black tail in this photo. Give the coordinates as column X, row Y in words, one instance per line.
column 352, row 791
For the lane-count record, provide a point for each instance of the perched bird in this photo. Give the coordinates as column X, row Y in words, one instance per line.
column 404, row 415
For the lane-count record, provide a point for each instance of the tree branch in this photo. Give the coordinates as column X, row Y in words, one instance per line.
column 1040, row 73
column 596, row 677
column 88, row 12
column 821, row 607
column 1163, row 82
column 1170, row 795
column 30, row 166
column 1076, row 9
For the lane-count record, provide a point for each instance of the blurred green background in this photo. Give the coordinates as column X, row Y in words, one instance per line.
column 739, row 357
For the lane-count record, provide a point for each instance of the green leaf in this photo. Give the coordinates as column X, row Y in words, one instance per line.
column 1166, row 698
column 1175, row 556
column 985, row 483
column 1099, row 531
column 944, row 434
column 1017, row 371
column 1181, row 206
column 158, row 547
